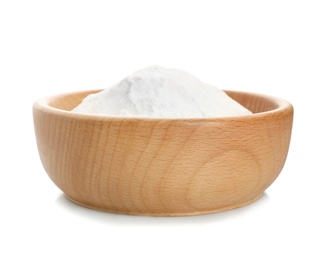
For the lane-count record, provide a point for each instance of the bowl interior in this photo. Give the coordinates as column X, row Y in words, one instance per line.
column 257, row 103
column 69, row 101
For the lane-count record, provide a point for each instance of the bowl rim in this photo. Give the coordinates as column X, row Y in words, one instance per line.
column 283, row 106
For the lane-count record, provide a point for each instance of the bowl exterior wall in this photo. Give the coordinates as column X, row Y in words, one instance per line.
column 162, row 167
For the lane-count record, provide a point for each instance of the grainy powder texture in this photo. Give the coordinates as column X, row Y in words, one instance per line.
column 157, row 92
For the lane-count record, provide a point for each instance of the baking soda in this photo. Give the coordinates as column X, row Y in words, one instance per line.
column 157, row 92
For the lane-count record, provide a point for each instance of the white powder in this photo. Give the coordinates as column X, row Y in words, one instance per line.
column 157, row 92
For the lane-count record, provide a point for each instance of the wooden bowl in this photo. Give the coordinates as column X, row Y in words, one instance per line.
column 163, row 166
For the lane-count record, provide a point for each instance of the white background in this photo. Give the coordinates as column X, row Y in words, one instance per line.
column 276, row 47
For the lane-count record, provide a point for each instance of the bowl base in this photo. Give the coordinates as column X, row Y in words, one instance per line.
column 166, row 214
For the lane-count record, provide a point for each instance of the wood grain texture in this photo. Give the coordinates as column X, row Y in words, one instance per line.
column 163, row 166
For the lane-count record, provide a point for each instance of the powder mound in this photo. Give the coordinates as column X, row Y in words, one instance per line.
column 157, row 92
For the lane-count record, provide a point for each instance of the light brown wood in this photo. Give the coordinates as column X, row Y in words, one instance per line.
column 163, row 166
